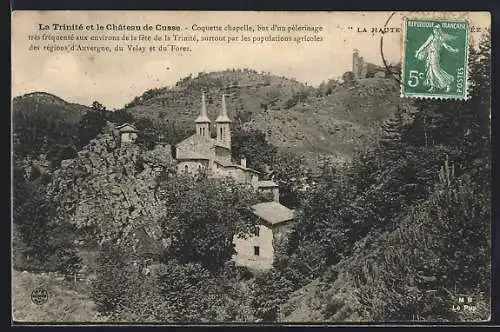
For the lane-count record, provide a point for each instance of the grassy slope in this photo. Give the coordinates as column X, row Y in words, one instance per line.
column 67, row 302
column 64, row 304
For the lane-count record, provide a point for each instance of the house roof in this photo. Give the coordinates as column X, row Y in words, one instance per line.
column 126, row 127
column 220, row 145
column 224, row 163
column 266, row 184
column 273, row 212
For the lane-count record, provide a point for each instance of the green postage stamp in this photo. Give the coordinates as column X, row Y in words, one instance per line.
column 435, row 56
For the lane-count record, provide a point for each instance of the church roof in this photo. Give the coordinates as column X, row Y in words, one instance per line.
column 273, row 212
column 194, row 140
column 190, row 155
column 266, row 184
column 229, row 164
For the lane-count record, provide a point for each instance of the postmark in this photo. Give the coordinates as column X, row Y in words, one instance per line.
column 435, row 55
column 39, row 296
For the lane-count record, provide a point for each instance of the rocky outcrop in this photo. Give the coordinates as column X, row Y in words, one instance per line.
column 111, row 187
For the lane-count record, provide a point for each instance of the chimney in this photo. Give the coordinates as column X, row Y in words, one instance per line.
column 276, row 194
column 243, row 162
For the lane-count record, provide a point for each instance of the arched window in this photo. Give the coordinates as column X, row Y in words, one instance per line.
column 221, row 132
column 186, row 168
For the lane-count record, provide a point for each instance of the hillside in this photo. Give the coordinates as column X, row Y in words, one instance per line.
column 292, row 114
column 389, row 276
column 48, row 105
column 308, row 120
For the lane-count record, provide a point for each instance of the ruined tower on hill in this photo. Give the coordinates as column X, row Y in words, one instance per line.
column 359, row 67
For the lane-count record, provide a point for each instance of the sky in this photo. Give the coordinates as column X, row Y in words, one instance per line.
column 114, row 79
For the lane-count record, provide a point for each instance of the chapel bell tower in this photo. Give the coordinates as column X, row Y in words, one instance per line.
column 223, row 126
column 202, row 122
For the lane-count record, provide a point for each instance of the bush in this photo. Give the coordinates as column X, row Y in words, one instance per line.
column 41, row 245
column 269, row 291
column 110, row 289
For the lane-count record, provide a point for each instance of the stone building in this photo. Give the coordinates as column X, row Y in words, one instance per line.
column 358, row 65
column 127, row 133
column 362, row 69
column 202, row 153
column 257, row 251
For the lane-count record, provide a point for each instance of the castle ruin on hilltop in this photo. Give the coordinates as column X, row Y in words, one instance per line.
column 362, row 69
column 359, row 67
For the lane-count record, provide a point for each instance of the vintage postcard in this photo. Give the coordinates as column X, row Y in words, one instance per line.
column 188, row 167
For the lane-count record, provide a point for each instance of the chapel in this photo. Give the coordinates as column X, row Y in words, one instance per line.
column 203, row 153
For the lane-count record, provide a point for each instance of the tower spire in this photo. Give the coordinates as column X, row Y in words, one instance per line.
column 203, row 117
column 202, row 122
column 223, row 126
column 223, row 118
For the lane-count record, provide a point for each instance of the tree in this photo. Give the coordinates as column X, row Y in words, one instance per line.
column 97, row 106
column 91, row 123
column 120, row 116
column 269, row 291
column 348, row 77
column 190, row 293
column 201, row 218
column 113, row 278
column 38, row 127
column 45, row 245
column 253, row 145
column 148, row 133
column 291, row 174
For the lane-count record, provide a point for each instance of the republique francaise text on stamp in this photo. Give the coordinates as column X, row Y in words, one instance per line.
column 435, row 56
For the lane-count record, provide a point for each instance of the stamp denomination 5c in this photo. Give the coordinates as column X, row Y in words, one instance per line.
column 435, row 56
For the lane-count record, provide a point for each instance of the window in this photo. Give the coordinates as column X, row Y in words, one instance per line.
column 258, row 231
column 186, row 168
column 220, row 132
column 256, row 251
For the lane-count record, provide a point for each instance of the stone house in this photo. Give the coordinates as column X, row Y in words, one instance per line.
column 127, row 133
column 258, row 251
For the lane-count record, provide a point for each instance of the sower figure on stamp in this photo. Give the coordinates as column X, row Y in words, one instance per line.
column 436, row 76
